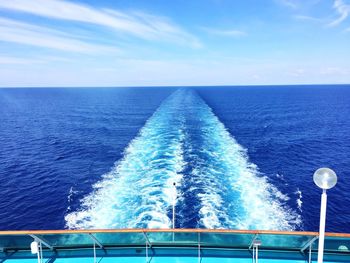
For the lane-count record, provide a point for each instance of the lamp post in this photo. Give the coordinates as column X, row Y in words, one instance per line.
column 174, row 203
column 35, row 248
column 325, row 179
column 256, row 244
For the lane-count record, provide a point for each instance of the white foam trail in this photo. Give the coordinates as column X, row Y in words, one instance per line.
column 236, row 195
column 227, row 190
column 299, row 200
column 70, row 197
column 137, row 192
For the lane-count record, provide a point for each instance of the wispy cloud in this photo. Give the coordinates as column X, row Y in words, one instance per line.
column 15, row 60
column 288, row 3
column 335, row 71
column 140, row 25
column 28, row 34
column 343, row 11
column 228, row 33
column 308, row 18
column 298, row 72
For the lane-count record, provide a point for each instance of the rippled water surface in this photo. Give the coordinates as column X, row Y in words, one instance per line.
column 241, row 157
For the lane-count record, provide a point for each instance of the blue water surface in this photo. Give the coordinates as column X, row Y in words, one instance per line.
column 241, row 157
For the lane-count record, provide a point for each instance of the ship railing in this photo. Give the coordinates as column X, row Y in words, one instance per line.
column 254, row 242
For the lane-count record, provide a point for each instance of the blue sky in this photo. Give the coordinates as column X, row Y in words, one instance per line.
column 178, row 42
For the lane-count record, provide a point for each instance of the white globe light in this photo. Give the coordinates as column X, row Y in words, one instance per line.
column 34, row 247
column 325, row 178
column 343, row 248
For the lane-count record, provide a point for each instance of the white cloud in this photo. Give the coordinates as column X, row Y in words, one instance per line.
column 15, row 60
column 343, row 11
column 298, row 72
column 28, row 34
column 227, row 33
column 335, row 71
column 139, row 72
column 289, row 3
column 135, row 24
column 307, row 18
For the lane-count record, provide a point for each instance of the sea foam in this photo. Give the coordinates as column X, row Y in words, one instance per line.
column 217, row 187
column 137, row 192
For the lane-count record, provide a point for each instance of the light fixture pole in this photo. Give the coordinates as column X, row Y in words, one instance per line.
column 36, row 248
column 256, row 244
column 325, row 179
column 174, row 204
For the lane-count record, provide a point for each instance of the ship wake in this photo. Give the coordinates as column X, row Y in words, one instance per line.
column 217, row 187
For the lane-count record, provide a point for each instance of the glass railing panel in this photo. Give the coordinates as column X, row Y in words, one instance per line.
column 289, row 242
column 15, row 241
column 67, row 240
column 120, row 239
column 180, row 238
column 234, row 240
column 335, row 244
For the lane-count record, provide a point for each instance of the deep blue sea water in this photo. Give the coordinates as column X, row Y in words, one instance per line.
column 241, row 157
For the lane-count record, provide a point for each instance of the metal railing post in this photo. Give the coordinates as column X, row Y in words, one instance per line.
column 199, row 247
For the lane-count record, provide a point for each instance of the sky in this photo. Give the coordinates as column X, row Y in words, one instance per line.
column 75, row 43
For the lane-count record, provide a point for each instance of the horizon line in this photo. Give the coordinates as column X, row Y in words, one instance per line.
column 176, row 86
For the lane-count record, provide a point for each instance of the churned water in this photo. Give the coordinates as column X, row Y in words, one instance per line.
column 241, row 157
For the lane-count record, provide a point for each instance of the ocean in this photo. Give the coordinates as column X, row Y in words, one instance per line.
column 240, row 157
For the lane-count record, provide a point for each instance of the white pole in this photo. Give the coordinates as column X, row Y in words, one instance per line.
column 256, row 254
column 174, row 215
column 310, row 247
column 322, row 226
column 199, row 247
column 174, row 203
column 39, row 261
column 41, row 252
column 94, row 252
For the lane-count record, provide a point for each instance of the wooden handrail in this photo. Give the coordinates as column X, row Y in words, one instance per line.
column 140, row 230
